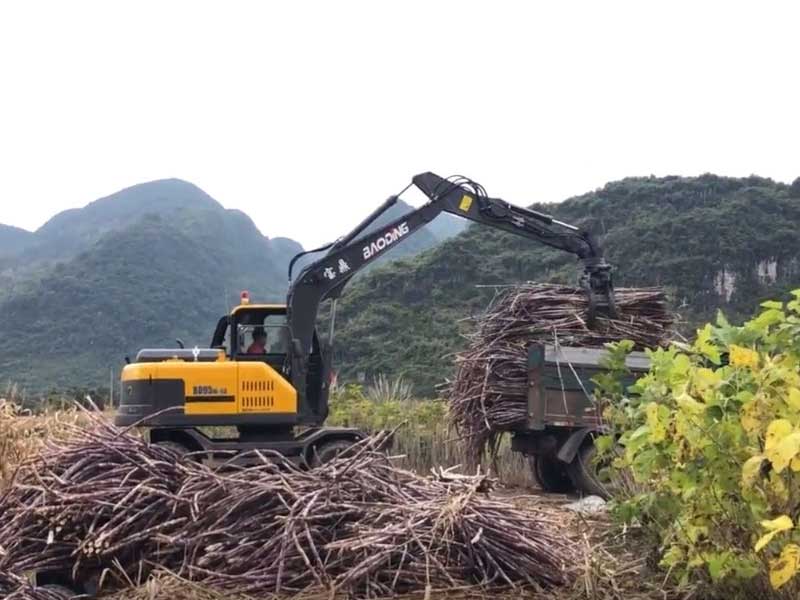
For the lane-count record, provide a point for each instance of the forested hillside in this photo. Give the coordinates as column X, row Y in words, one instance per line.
column 163, row 260
column 154, row 262
column 713, row 242
column 141, row 267
column 13, row 239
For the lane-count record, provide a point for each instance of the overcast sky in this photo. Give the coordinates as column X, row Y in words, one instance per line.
column 307, row 114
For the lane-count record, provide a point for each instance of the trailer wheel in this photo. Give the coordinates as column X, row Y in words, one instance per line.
column 57, row 592
column 327, row 451
column 590, row 475
column 551, row 474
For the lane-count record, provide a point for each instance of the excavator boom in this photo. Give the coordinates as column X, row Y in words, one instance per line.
column 327, row 276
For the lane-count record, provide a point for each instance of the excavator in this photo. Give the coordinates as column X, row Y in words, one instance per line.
column 277, row 399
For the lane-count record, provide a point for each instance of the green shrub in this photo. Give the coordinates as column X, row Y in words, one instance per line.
column 711, row 442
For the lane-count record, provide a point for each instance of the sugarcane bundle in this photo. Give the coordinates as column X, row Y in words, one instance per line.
column 106, row 505
column 488, row 393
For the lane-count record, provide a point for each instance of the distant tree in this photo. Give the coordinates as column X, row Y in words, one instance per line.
column 794, row 189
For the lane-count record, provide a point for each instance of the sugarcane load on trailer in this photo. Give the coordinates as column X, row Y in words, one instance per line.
column 277, row 396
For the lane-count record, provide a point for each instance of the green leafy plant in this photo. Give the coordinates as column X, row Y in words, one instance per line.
column 384, row 389
column 711, row 439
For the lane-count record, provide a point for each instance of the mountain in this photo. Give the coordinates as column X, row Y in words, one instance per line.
column 151, row 263
column 73, row 230
column 138, row 287
column 713, row 242
column 446, row 226
column 13, row 240
column 154, row 262
column 163, row 260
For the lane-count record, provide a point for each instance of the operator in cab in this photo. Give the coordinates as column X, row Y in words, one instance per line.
column 259, row 345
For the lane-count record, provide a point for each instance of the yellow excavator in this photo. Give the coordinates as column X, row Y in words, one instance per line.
column 275, row 394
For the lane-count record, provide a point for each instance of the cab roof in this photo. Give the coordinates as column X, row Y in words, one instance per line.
column 254, row 307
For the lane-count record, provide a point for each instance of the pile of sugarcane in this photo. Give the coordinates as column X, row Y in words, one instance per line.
column 108, row 508
column 488, row 393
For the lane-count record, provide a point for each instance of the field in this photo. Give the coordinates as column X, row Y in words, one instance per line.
column 610, row 566
column 705, row 446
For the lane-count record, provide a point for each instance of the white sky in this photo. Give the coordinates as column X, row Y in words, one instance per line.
column 308, row 114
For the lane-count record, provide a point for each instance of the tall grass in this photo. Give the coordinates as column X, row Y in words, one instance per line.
column 23, row 433
column 384, row 389
column 422, row 436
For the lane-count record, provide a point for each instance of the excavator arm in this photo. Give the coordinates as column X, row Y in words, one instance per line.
column 327, row 276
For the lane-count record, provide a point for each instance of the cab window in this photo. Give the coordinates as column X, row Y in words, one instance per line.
column 269, row 336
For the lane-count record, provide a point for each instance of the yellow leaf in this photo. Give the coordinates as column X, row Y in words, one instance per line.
column 688, row 404
column 774, row 527
column 706, row 383
column 751, row 470
column 696, row 560
column 782, row 453
column 750, row 421
column 781, row 523
column 776, row 431
column 695, row 532
column 795, row 464
column 778, row 487
column 793, row 400
column 705, row 346
column 689, row 430
column 680, row 368
column 743, row 357
column 786, row 566
column 658, row 430
column 765, row 539
column 682, row 425
column 673, row 557
column 706, row 380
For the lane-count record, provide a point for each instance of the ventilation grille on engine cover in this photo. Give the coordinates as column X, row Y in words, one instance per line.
column 256, row 395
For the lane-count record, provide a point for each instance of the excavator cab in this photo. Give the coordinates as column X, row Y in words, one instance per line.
column 270, row 323
column 256, row 333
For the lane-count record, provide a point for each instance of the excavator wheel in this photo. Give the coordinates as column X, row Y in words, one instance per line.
column 326, row 451
column 551, row 474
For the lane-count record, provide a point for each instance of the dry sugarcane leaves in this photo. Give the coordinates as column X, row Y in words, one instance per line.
column 107, row 505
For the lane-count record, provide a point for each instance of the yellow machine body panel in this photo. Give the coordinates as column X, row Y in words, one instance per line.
column 263, row 390
column 222, row 387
